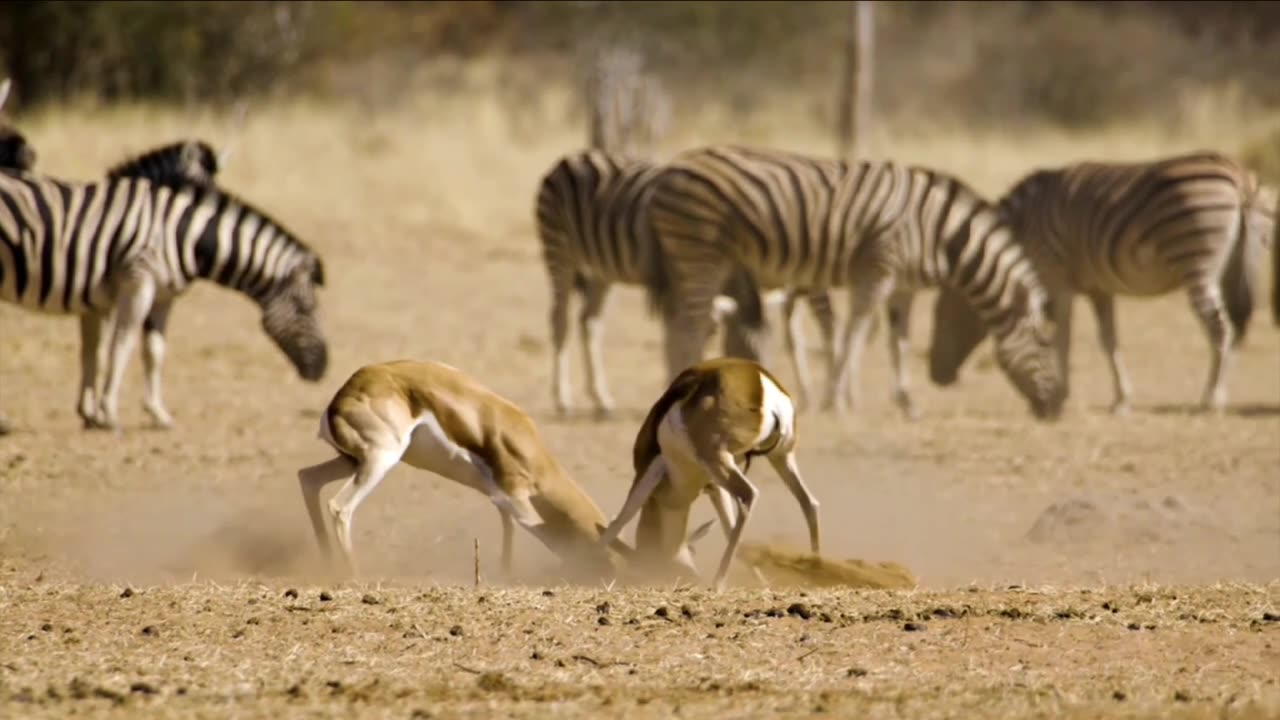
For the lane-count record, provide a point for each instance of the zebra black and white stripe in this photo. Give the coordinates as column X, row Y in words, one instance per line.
column 1192, row 222
column 592, row 223
column 128, row 247
column 880, row 228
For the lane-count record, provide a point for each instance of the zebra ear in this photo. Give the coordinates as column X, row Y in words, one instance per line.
column 237, row 123
column 4, row 90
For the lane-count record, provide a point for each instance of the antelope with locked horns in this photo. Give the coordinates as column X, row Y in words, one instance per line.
column 434, row 417
column 700, row 437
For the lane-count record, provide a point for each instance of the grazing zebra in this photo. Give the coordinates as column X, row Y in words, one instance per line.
column 592, row 225
column 881, row 228
column 1193, row 222
column 129, row 247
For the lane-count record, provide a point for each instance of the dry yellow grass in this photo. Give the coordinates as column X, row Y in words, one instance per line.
column 424, row 217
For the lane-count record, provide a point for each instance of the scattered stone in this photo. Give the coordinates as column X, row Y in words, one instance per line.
column 662, row 612
column 46, row 627
column 128, row 593
column 603, row 620
column 913, row 627
column 291, row 594
column 603, row 608
column 1182, row 696
column 370, row 600
column 151, row 631
column 548, row 593
column 456, row 631
column 1134, row 626
column 856, row 672
column 799, row 610
column 1270, row 617
column 325, row 596
column 1119, row 696
column 494, row 682
column 687, row 612
column 143, row 688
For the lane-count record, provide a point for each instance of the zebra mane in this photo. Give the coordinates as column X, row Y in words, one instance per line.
column 186, row 162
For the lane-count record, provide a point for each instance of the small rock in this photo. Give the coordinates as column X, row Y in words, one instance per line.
column 800, row 610
column 370, row 599
column 662, row 612
column 603, row 608
column 494, row 682
column 456, row 631
column 687, row 612
column 604, row 620
column 325, row 596
column 291, row 594
column 913, row 627
column 294, row 691
column 46, row 627
column 856, row 672
column 536, row 655
column 128, row 593
column 1119, row 696
column 1134, row 626
column 1182, row 696
column 1270, row 617
column 143, row 688
column 548, row 593
column 150, row 631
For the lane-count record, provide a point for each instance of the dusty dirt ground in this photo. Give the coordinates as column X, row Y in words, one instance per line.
column 1151, row 587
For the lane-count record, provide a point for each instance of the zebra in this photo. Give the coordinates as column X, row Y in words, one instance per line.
column 592, row 224
column 128, row 247
column 882, row 228
column 1194, row 221
column 184, row 162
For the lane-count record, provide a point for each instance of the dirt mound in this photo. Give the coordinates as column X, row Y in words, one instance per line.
column 779, row 566
column 1083, row 520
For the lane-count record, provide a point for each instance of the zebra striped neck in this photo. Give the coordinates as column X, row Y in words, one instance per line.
column 231, row 243
column 984, row 261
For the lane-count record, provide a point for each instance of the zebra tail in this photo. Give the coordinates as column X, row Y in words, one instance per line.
column 1238, row 282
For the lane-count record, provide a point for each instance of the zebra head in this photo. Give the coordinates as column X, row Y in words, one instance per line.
column 1026, row 354
column 289, row 318
column 957, row 330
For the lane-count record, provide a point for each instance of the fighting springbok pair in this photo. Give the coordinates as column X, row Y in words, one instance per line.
column 698, row 437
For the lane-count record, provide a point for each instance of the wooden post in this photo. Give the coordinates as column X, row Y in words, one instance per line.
column 853, row 119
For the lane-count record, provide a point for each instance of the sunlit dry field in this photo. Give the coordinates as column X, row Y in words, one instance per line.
column 175, row 572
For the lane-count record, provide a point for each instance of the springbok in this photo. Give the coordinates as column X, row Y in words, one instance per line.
column 714, row 418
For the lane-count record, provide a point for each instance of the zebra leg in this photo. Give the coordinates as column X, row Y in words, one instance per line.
column 153, row 349
column 864, row 300
column 560, row 291
column 591, row 329
column 133, row 304
column 93, row 327
column 1206, row 301
column 899, row 311
column 1104, row 310
column 1063, row 303
column 793, row 340
column 824, row 314
column 687, row 326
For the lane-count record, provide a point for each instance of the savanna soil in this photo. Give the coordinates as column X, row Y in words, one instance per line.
column 1149, row 588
